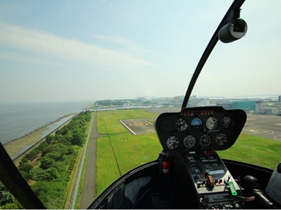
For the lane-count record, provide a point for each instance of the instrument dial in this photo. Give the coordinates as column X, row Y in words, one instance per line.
column 221, row 139
column 189, row 141
column 227, row 122
column 172, row 142
column 212, row 123
column 196, row 121
column 181, row 124
column 205, row 140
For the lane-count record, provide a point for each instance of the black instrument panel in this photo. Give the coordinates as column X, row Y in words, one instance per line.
column 199, row 128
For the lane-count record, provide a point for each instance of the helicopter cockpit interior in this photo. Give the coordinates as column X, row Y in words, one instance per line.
column 195, row 134
column 189, row 173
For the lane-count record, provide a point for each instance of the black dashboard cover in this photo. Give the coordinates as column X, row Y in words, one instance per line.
column 199, row 129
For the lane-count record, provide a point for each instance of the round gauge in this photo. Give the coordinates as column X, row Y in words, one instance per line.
column 172, row 142
column 212, row 123
column 181, row 124
column 221, row 139
column 189, row 141
column 226, row 121
column 195, row 169
column 196, row 121
column 205, row 140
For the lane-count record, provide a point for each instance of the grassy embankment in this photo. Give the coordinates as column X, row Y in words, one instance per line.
column 119, row 148
column 48, row 168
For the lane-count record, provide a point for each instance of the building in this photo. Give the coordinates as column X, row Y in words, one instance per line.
column 245, row 105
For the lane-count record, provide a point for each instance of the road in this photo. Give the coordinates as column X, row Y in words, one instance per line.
column 89, row 188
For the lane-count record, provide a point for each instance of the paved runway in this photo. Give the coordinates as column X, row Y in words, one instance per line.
column 89, row 187
column 267, row 126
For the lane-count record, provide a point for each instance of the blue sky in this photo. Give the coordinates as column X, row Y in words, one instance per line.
column 102, row 49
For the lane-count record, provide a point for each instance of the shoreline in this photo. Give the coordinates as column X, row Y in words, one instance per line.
column 19, row 146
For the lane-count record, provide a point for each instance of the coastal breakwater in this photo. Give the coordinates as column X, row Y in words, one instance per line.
column 20, row 146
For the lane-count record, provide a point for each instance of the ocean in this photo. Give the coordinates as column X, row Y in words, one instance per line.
column 17, row 120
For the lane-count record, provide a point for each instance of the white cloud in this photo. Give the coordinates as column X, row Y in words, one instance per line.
column 126, row 43
column 59, row 47
column 27, row 59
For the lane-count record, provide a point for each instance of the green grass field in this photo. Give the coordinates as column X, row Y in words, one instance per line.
column 118, row 151
column 254, row 150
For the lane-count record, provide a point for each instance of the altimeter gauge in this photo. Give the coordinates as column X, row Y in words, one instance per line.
column 189, row 141
column 181, row 124
column 172, row 142
column 212, row 123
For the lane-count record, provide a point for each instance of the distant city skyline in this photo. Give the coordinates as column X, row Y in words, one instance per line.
column 56, row 51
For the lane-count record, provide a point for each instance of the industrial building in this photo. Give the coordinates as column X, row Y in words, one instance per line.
column 245, row 105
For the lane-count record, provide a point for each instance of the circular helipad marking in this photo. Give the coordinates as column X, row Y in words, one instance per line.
column 260, row 131
column 278, row 138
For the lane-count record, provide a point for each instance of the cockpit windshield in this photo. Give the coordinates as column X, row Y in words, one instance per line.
column 81, row 84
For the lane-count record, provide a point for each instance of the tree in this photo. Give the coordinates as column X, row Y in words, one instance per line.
column 38, row 174
column 26, row 167
column 23, row 161
column 25, row 175
column 46, row 162
column 77, row 139
column 52, row 172
column 33, row 154
column 49, row 139
column 14, row 205
column 7, row 197
column 46, row 150
column 56, row 156
column 64, row 130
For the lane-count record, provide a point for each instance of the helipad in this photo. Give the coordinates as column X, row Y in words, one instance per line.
column 138, row 126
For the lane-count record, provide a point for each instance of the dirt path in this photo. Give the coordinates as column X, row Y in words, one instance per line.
column 89, row 188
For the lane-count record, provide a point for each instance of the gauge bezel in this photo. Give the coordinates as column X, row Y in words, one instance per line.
column 181, row 124
column 230, row 124
column 212, row 123
column 203, row 138
column 195, row 125
column 175, row 139
column 187, row 138
column 218, row 139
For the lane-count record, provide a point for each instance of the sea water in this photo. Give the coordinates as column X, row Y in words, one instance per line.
column 17, row 120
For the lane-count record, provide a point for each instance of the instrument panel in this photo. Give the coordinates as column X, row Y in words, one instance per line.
column 199, row 128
